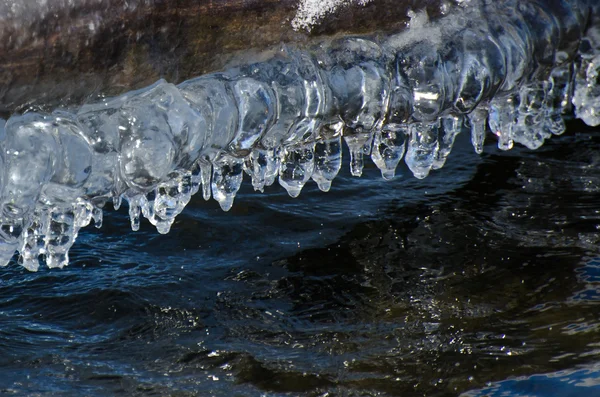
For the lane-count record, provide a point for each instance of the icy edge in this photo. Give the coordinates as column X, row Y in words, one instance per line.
column 511, row 67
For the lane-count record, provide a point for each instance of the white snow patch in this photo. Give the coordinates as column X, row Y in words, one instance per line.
column 310, row 12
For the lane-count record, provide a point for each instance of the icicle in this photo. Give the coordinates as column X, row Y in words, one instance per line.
column 135, row 207
column 170, row 198
column 226, row 180
column 388, row 148
column 558, row 97
column 296, row 168
column 587, row 92
column 450, row 128
column 477, row 120
column 529, row 129
column 34, row 242
column 273, row 159
column 195, row 178
column 502, row 118
column 255, row 166
column 60, row 236
column 117, row 201
column 205, row 174
column 359, row 143
column 97, row 215
column 422, row 148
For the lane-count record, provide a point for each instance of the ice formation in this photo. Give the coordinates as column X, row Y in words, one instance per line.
column 510, row 67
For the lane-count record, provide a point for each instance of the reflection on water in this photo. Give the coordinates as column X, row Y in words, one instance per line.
column 483, row 279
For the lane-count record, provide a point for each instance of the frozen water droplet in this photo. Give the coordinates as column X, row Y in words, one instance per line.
column 529, row 129
column 296, row 168
column 117, row 201
column 388, row 148
column 422, row 148
column 33, row 242
column 205, row 174
column 97, row 215
column 559, row 90
column 502, row 119
column 359, row 143
column 170, row 198
column 450, row 128
column 11, row 231
column 135, row 207
column 60, row 236
column 477, row 120
column 587, row 91
column 273, row 160
column 256, row 165
column 328, row 161
column 227, row 178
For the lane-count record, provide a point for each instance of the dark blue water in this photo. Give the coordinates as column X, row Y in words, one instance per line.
column 482, row 279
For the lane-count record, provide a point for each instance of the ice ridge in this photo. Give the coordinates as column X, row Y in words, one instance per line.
column 512, row 68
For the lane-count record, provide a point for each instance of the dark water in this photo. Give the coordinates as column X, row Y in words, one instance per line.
column 482, row 279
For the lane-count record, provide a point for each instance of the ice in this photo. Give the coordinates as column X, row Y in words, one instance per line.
column 255, row 165
column 451, row 126
column 256, row 112
column 328, row 155
column 478, row 64
column 30, row 161
column 135, row 208
column 587, row 93
column 388, row 149
column 422, row 148
column 205, row 175
column 477, row 120
column 530, row 129
column 515, row 67
column 502, row 119
column 170, row 198
column 226, row 179
column 360, row 92
column 423, row 66
column 296, row 167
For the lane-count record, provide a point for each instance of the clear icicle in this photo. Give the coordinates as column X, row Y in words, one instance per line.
column 205, row 174
column 388, row 148
column 195, row 178
column 117, row 202
column 296, row 168
column 273, row 159
column 359, row 143
column 477, row 120
column 422, row 148
column 530, row 128
column 255, row 166
column 502, row 118
column 170, row 198
column 60, row 236
column 587, row 92
column 135, row 207
column 328, row 161
column 228, row 172
column 450, row 128
column 34, row 243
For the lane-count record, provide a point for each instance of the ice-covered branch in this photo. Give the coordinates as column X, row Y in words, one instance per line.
column 510, row 66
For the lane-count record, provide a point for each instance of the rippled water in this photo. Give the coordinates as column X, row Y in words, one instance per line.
column 482, row 279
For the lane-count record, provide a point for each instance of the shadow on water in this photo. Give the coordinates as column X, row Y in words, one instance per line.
column 483, row 279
